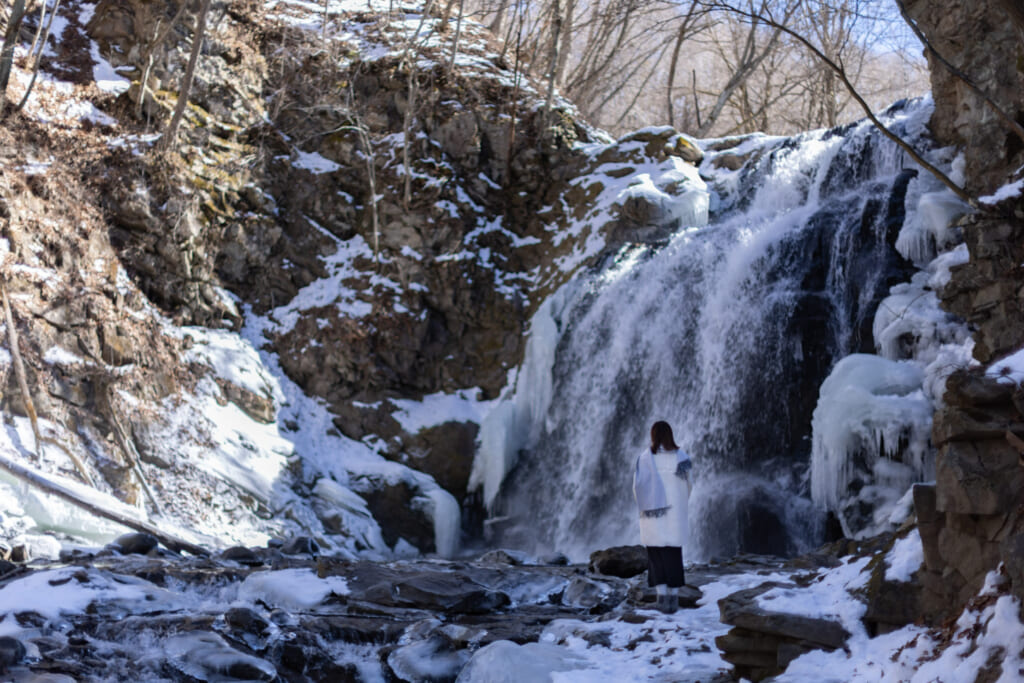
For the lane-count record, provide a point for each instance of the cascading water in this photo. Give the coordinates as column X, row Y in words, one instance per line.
column 727, row 331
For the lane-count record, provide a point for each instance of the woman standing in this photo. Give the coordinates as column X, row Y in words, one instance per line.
column 661, row 485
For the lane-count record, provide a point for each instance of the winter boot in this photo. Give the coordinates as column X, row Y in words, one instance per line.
column 668, row 604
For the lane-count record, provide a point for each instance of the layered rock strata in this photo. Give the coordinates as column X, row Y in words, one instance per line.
column 971, row 520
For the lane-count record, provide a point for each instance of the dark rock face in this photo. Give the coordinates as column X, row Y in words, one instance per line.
column 981, row 39
column 394, row 508
column 986, row 291
column 970, row 520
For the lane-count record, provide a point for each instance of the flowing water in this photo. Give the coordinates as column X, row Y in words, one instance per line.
column 727, row 332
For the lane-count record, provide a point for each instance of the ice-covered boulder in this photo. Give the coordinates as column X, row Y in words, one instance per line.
column 505, row 662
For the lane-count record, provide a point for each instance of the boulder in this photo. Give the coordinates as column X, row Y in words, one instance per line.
column 763, row 642
column 246, row 620
column 741, row 609
column 300, row 545
column 622, row 561
column 12, row 651
column 138, row 543
column 438, row 591
column 242, row 555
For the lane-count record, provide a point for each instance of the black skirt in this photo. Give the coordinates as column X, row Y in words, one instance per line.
column 665, row 566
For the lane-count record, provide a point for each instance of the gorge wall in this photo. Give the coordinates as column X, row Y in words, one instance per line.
column 971, row 520
column 282, row 215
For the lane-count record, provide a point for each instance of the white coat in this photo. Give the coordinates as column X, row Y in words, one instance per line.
column 672, row 528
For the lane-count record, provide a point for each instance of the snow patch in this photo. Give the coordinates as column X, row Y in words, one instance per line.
column 905, row 558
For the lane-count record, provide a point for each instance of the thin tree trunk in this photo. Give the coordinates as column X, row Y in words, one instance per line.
column 684, row 31
column 39, row 29
column 567, row 30
column 159, row 36
column 410, row 105
column 458, row 34
column 495, row 26
column 39, row 56
column 167, row 141
column 7, row 53
column 696, row 99
column 124, row 438
column 553, row 59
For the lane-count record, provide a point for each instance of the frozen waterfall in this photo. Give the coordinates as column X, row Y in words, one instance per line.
column 727, row 331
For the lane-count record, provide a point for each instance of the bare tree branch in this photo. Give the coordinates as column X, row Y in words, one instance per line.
column 838, row 69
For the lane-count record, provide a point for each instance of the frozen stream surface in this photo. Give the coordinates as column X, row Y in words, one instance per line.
column 286, row 615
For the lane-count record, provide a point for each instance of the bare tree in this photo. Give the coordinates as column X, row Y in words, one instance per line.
column 42, row 35
column 837, row 68
column 7, row 53
column 167, row 140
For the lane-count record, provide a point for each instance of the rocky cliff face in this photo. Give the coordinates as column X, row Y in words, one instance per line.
column 285, row 207
column 971, row 520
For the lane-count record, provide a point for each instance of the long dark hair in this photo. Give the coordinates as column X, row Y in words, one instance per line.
column 661, row 437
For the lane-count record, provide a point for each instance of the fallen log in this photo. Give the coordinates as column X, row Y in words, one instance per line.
column 40, row 481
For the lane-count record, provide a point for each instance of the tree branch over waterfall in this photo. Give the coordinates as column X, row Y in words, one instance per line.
column 837, row 67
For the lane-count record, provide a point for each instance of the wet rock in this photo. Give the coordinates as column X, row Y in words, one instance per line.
column 247, row 620
column 437, row 592
column 243, row 555
column 300, row 545
column 509, row 557
column 12, row 651
column 593, row 596
column 741, row 609
column 430, row 660
column 644, row 595
column 506, row 662
column 204, row 655
column 554, row 560
column 445, row 452
column 929, row 524
column 622, row 561
column 135, row 544
column 350, row 628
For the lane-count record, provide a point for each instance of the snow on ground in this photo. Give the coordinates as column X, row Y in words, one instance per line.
column 679, row 647
column 991, row 631
column 828, row 597
column 463, row 405
column 905, row 558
